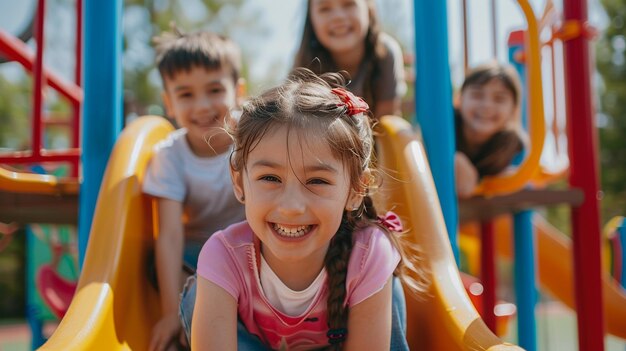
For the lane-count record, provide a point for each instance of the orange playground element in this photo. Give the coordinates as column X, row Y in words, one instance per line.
column 554, row 266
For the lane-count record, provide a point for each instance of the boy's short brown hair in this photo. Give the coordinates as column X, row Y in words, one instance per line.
column 177, row 51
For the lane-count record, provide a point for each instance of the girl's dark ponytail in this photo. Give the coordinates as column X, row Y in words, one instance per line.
column 369, row 211
column 336, row 263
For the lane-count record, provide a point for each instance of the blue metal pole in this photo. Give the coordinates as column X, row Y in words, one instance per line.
column 33, row 309
column 102, row 107
column 433, row 98
column 524, row 275
column 524, row 271
column 621, row 232
column 516, row 44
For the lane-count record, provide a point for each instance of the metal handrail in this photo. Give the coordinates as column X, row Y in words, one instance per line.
column 16, row 50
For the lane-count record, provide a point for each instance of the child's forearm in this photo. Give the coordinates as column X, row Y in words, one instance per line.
column 214, row 325
column 466, row 175
column 169, row 261
column 169, row 254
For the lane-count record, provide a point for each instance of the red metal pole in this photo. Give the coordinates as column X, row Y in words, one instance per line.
column 16, row 50
column 488, row 273
column 75, row 133
column 25, row 157
column 494, row 29
column 36, row 136
column 79, row 44
column 465, row 38
column 583, row 150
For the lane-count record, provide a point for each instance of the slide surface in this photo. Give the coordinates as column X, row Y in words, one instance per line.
column 115, row 306
column 444, row 317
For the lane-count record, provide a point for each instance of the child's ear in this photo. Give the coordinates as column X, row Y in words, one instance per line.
column 237, row 179
column 355, row 198
column 456, row 99
column 241, row 91
column 167, row 103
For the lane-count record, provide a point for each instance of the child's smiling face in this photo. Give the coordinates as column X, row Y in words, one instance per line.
column 486, row 109
column 340, row 25
column 199, row 100
column 295, row 192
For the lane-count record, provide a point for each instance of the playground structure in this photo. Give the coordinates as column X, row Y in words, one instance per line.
column 115, row 305
column 41, row 198
column 503, row 194
column 113, row 298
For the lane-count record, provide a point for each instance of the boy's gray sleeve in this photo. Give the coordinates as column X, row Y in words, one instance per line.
column 164, row 175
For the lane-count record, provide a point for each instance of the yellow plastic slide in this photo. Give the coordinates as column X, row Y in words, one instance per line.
column 115, row 307
column 31, row 183
column 444, row 318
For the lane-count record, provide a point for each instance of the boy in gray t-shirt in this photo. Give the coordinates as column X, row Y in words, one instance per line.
column 189, row 172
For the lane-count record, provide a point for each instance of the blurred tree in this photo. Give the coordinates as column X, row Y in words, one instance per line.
column 15, row 109
column 611, row 63
column 144, row 19
column 13, row 278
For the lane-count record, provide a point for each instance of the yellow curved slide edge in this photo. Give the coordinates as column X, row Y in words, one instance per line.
column 444, row 318
column 115, row 306
column 526, row 171
column 556, row 274
column 18, row 182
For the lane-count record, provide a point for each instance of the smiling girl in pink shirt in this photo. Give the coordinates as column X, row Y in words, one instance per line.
column 313, row 265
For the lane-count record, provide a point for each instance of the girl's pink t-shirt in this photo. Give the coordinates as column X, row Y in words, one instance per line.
column 229, row 260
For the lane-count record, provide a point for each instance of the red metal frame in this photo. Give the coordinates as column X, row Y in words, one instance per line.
column 16, row 50
column 78, row 69
column 36, row 135
column 465, row 38
column 494, row 29
column 494, row 34
column 584, row 174
column 488, row 273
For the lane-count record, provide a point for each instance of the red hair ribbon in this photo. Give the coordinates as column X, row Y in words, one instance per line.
column 354, row 103
column 391, row 221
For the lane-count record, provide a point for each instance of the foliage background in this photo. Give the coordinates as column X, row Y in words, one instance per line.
column 611, row 65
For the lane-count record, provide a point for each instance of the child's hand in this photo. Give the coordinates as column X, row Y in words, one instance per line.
column 165, row 332
column 465, row 174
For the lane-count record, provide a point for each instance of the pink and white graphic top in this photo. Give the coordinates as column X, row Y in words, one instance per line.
column 229, row 259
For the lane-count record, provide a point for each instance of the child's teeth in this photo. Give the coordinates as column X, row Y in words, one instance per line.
column 291, row 232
